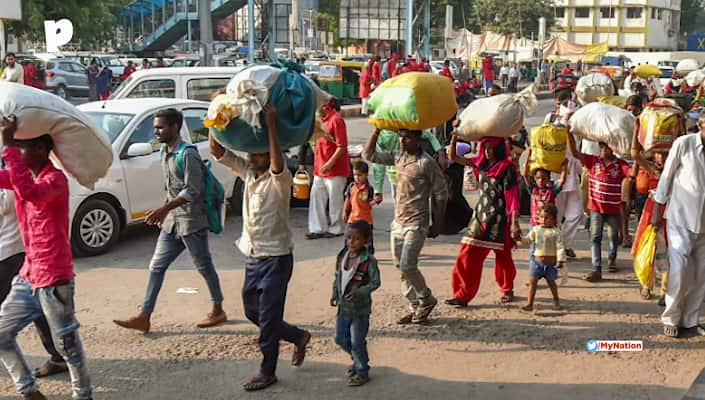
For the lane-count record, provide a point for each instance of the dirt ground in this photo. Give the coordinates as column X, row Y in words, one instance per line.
column 488, row 351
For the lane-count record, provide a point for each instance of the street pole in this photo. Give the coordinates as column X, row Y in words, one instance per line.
column 427, row 29
column 3, row 43
column 251, row 31
column 272, row 20
column 206, row 24
column 409, row 27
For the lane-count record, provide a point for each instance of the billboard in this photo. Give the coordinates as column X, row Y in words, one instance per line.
column 372, row 19
column 696, row 42
column 11, row 9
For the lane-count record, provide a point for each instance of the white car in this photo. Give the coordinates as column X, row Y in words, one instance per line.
column 134, row 183
column 666, row 74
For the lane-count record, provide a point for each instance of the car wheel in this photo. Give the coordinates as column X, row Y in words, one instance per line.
column 237, row 197
column 95, row 228
column 62, row 92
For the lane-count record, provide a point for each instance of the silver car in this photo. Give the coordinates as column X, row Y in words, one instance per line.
column 66, row 78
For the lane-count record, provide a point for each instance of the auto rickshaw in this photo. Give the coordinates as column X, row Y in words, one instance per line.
column 341, row 79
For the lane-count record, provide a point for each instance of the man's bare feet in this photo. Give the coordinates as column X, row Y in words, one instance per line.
column 556, row 305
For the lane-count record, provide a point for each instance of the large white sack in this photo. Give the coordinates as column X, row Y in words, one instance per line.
column 593, row 86
column 687, row 66
column 502, row 115
column 606, row 123
column 695, row 78
column 81, row 148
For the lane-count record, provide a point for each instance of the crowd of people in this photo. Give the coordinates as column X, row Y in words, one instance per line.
column 37, row 273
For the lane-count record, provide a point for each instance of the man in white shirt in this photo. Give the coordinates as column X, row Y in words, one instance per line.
column 13, row 72
column 267, row 243
column 513, row 78
column 682, row 186
column 504, row 74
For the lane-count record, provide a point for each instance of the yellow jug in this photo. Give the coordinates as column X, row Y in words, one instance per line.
column 302, row 185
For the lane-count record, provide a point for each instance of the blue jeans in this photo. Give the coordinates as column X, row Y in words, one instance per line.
column 597, row 223
column 24, row 305
column 170, row 246
column 351, row 336
column 264, row 297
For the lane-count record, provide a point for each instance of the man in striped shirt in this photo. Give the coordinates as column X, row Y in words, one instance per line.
column 605, row 175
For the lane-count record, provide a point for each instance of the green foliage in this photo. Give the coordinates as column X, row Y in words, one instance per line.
column 692, row 15
column 514, row 16
column 93, row 20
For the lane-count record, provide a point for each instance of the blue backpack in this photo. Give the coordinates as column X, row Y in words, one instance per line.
column 213, row 191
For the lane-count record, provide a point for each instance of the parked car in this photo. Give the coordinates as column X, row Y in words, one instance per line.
column 66, row 78
column 185, row 62
column 134, row 183
column 195, row 83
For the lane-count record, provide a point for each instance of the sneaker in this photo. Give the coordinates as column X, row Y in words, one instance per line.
column 358, row 380
column 424, row 311
column 406, row 319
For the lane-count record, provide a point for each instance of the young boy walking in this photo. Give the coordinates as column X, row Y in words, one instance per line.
column 356, row 277
column 45, row 284
column 182, row 221
column 267, row 244
column 359, row 197
column 605, row 174
column 420, row 179
column 548, row 257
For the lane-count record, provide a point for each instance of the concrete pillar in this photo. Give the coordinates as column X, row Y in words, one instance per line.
column 251, row 30
column 206, row 24
column 409, row 27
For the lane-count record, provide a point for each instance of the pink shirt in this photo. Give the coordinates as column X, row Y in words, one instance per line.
column 42, row 205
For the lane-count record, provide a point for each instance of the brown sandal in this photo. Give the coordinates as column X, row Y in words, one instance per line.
column 593, row 276
column 297, row 359
column 671, row 331
column 50, row 368
column 259, row 382
column 507, row 297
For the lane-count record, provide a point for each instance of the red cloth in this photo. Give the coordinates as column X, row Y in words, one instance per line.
column 365, row 85
column 376, row 73
column 540, row 197
column 325, row 148
column 406, row 69
column 467, row 272
column 127, row 72
column 30, row 73
column 566, row 71
column 646, row 221
column 605, row 184
column 43, row 214
column 392, row 67
column 447, row 73
column 488, row 69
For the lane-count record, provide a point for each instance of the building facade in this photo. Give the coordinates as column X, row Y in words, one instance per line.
column 631, row 25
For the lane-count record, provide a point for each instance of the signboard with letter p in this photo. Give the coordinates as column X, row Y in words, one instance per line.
column 696, row 42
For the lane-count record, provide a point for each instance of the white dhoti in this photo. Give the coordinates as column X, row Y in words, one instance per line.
column 325, row 209
column 570, row 206
column 686, row 277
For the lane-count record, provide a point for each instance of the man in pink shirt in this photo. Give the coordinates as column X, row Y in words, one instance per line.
column 45, row 283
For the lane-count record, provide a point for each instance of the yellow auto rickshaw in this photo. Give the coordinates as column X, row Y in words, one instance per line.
column 341, row 78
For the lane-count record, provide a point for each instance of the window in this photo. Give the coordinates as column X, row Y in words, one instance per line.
column 79, row 69
column 66, row 67
column 659, row 14
column 193, row 118
column 281, row 23
column 329, row 71
column 144, row 134
column 582, row 12
column 203, row 88
column 156, row 88
column 607, row 12
column 634, row 13
column 112, row 123
column 560, row 12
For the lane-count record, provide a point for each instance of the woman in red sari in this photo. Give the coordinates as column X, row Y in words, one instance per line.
column 494, row 225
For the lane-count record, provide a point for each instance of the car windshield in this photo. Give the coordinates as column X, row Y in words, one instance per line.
column 117, row 94
column 666, row 72
column 328, row 71
column 114, row 62
column 112, row 123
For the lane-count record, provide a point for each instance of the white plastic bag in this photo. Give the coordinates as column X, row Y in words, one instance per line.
column 687, row 66
column 605, row 123
column 81, row 148
column 248, row 93
column 593, row 86
column 695, row 78
column 501, row 116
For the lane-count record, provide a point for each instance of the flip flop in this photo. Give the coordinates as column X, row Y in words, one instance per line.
column 671, row 331
column 507, row 297
column 593, row 276
column 259, row 382
column 48, row 369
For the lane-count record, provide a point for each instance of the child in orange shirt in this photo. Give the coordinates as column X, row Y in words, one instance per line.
column 359, row 197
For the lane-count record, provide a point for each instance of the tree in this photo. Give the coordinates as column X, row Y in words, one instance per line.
column 520, row 17
column 692, row 14
column 93, row 21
